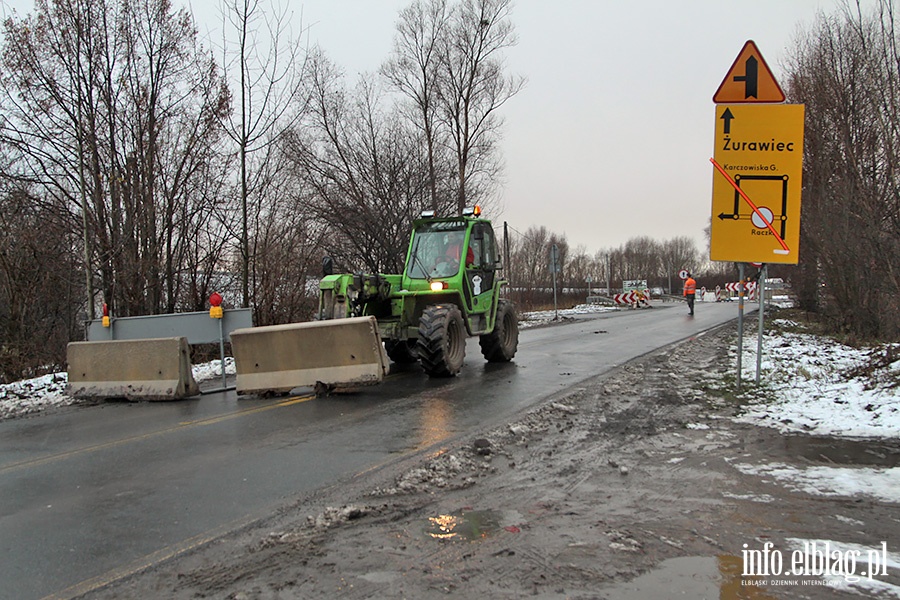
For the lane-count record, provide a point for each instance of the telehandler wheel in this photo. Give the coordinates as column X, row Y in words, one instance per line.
column 442, row 340
column 501, row 344
column 402, row 352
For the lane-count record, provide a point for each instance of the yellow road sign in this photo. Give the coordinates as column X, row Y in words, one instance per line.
column 757, row 181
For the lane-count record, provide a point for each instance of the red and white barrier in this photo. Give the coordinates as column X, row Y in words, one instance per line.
column 635, row 298
column 749, row 287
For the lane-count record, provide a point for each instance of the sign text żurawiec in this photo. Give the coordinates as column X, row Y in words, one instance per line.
column 757, row 183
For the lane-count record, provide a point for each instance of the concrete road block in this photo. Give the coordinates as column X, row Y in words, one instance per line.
column 279, row 358
column 150, row 369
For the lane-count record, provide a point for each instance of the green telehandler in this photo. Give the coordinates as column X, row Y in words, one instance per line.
column 449, row 290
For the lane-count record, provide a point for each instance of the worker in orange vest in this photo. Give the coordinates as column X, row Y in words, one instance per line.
column 690, row 290
column 453, row 252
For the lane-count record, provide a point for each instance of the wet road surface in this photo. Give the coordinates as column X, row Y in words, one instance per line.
column 91, row 494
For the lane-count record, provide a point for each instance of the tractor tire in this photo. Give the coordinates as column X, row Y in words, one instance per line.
column 501, row 344
column 442, row 340
column 402, row 352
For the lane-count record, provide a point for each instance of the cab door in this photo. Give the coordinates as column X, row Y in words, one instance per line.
column 480, row 275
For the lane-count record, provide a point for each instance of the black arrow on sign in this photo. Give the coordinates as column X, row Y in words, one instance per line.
column 750, row 77
column 727, row 116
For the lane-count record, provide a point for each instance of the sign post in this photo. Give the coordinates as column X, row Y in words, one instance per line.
column 761, row 290
column 554, row 269
column 757, row 178
column 740, row 340
column 217, row 312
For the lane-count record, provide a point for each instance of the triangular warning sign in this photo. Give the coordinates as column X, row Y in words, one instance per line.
column 749, row 80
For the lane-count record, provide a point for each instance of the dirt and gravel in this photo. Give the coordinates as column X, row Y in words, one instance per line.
column 623, row 487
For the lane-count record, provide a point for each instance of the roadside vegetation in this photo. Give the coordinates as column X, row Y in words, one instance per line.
column 846, row 69
column 143, row 167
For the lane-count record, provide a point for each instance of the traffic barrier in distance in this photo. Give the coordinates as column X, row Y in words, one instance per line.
column 636, row 299
column 749, row 288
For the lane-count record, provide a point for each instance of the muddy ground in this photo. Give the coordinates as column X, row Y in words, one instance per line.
column 623, row 487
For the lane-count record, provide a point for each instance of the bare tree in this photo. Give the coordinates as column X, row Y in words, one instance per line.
column 578, row 268
column 602, row 268
column 415, row 70
column 111, row 110
column 49, row 106
column 529, row 268
column 641, row 258
column 676, row 254
column 287, row 245
column 269, row 65
column 473, row 87
column 174, row 98
column 39, row 284
column 365, row 169
column 847, row 72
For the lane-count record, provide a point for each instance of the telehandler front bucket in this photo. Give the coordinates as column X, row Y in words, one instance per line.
column 337, row 352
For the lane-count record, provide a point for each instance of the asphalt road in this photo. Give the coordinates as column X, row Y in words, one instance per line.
column 90, row 494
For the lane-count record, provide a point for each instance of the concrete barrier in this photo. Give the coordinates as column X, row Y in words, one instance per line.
column 279, row 358
column 149, row 369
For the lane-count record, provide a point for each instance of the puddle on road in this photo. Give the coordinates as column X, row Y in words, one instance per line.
column 471, row 525
column 838, row 451
column 698, row 577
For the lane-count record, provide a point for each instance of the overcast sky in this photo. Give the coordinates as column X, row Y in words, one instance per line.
column 612, row 135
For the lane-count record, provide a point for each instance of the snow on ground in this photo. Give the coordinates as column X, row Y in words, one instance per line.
column 816, row 385
column 213, row 370
column 34, row 395
column 546, row 317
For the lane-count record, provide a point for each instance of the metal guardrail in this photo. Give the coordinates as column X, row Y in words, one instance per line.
column 196, row 327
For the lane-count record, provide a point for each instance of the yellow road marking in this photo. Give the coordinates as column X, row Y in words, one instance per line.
column 174, row 550
column 144, row 436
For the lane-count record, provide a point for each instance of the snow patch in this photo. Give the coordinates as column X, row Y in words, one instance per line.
column 880, row 484
column 815, row 385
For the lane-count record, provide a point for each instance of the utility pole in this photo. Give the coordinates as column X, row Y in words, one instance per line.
column 608, row 275
column 554, row 269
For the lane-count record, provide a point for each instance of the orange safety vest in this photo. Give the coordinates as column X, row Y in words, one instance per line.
column 690, row 286
column 453, row 252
